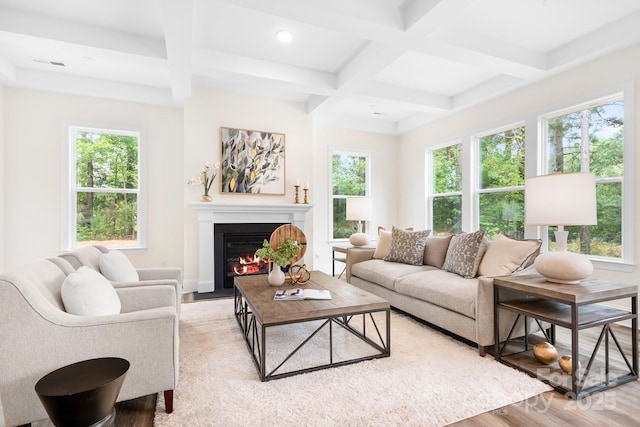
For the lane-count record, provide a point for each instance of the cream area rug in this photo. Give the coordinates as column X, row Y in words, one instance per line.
column 429, row 380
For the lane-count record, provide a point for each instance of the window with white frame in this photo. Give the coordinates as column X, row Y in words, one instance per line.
column 446, row 189
column 501, row 182
column 349, row 177
column 590, row 138
column 103, row 203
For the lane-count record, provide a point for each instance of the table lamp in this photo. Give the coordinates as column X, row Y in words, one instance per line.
column 561, row 199
column 359, row 209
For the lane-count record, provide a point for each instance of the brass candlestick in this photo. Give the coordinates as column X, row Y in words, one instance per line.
column 297, row 194
column 306, row 201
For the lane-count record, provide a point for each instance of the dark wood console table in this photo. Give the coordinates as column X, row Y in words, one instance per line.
column 574, row 307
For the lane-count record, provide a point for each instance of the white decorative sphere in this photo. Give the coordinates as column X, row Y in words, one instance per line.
column 359, row 239
column 563, row 267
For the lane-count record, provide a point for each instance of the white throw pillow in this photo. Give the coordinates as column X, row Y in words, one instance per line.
column 384, row 244
column 505, row 255
column 115, row 266
column 86, row 292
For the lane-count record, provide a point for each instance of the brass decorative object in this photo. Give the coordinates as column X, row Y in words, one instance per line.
column 306, row 200
column 545, row 353
column 299, row 274
column 297, row 194
column 566, row 364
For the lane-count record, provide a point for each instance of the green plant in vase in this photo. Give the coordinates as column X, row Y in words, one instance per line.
column 280, row 256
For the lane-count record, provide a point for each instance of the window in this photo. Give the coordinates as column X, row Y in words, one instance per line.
column 446, row 185
column 104, row 191
column 590, row 138
column 501, row 182
column 349, row 177
column 488, row 193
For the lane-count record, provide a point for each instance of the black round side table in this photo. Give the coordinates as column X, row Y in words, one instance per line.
column 83, row 394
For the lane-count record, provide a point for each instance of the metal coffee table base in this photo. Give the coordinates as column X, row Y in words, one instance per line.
column 255, row 335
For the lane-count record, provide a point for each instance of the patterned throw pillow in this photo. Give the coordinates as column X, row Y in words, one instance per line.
column 407, row 246
column 465, row 252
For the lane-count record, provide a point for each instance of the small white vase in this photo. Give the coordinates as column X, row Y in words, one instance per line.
column 276, row 275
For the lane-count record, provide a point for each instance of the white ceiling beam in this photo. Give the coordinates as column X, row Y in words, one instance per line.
column 178, row 24
column 318, row 82
column 486, row 90
column 356, row 123
column 487, row 53
column 609, row 38
column 364, row 66
column 7, row 71
column 86, row 86
column 424, row 16
column 410, row 98
column 41, row 27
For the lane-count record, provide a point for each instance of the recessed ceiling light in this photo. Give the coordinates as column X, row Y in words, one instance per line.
column 284, row 36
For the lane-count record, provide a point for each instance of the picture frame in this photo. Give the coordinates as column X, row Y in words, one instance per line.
column 252, row 162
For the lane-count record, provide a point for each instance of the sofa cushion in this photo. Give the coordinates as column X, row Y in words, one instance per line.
column 407, row 246
column 505, row 255
column 86, row 292
column 384, row 273
column 465, row 252
column 439, row 287
column 115, row 266
column 384, row 244
column 435, row 251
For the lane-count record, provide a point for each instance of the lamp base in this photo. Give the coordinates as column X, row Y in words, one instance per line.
column 563, row 267
column 359, row 239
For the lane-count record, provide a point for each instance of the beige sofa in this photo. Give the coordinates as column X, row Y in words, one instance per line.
column 38, row 336
column 462, row 306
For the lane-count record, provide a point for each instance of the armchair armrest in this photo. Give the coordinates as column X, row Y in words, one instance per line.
column 159, row 273
column 177, row 288
column 139, row 298
column 356, row 255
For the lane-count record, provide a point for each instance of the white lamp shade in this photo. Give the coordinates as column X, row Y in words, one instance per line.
column 561, row 199
column 358, row 209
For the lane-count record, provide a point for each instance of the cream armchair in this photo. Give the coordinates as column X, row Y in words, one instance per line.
column 37, row 336
column 90, row 256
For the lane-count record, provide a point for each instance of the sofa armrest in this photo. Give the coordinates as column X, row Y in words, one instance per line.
column 484, row 311
column 356, row 255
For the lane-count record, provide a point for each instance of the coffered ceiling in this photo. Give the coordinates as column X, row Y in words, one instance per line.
column 379, row 65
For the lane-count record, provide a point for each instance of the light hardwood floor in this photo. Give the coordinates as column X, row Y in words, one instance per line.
column 616, row 407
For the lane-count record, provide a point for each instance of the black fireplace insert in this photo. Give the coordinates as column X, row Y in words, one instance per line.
column 234, row 252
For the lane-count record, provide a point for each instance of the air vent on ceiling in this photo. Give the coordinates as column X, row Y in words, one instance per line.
column 46, row 61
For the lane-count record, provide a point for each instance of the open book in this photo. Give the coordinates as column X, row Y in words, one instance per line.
column 299, row 294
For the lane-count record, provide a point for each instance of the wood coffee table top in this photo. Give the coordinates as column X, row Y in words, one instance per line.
column 346, row 299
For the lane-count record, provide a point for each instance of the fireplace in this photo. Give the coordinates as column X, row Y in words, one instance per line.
column 210, row 215
column 234, row 248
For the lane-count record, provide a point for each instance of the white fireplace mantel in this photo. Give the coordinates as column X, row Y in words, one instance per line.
column 210, row 214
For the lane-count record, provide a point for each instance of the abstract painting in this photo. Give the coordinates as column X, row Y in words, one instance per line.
column 252, row 162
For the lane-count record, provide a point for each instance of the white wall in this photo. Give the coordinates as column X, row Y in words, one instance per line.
column 32, row 172
column 208, row 110
column 597, row 77
column 3, row 167
column 384, row 183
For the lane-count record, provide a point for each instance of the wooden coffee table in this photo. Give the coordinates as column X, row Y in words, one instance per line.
column 350, row 308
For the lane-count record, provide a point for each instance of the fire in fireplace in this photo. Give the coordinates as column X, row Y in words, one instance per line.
column 234, row 251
